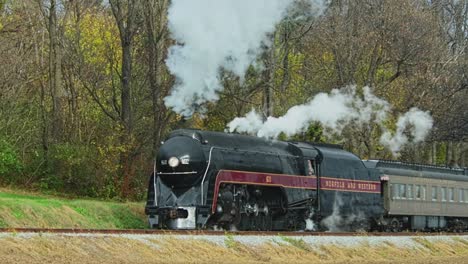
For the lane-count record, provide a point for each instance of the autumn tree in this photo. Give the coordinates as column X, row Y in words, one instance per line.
column 82, row 84
column 156, row 44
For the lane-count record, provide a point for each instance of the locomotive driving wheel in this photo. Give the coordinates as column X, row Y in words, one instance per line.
column 395, row 225
column 247, row 207
column 457, row 226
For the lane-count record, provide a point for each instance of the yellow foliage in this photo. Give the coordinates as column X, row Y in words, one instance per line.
column 99, row 42
column 328, row 57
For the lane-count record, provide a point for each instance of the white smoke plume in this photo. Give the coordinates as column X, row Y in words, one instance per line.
column 336, row 110
column 215, row 35
column 413, row 126
column 328, row 109
column 310, row 225
column 212, row 35
column 336, row 222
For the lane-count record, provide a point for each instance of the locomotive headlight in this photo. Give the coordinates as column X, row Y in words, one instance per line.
column 173, row 162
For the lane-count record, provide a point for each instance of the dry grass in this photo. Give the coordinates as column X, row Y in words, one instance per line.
column 172, row 250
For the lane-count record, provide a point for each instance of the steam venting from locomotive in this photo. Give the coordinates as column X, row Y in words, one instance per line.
column 338, row 222
column 215, row 35
column 336, row 110
column 419, row 124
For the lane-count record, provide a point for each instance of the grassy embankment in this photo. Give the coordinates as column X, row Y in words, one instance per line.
column 34, row 210
column 27, row 210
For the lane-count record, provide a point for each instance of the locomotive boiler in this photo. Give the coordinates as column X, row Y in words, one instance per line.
column 215, row 180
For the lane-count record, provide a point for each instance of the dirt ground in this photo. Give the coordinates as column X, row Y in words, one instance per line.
column 59, row 249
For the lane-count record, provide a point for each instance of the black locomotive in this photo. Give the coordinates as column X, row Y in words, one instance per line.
column 215, row 180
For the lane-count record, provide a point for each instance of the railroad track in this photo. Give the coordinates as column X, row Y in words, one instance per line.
column 214, row 233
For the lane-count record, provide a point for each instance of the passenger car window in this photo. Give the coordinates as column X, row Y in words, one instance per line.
column 417, row 189
column 451, row 194
column 423, row 192
column 394, row 189
column 409, row 189
column 403, row 191
column 434, row 193
column 443, row 194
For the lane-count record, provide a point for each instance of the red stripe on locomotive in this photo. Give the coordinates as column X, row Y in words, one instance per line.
column 292, row 181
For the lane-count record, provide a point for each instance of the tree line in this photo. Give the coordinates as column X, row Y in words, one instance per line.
column 82, row 84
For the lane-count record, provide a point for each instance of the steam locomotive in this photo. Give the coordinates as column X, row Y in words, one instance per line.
column 214, row 180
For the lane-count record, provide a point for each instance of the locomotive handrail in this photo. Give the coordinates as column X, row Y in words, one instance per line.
column 421, row 165
column 154, row 184
column 209, row 163
column 206, row 172
column 181, row 172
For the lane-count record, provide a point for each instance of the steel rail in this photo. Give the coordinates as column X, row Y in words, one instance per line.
column 217, row 233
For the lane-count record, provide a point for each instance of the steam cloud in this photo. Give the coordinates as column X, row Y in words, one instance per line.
column 335, row 111
column 418, row 123
column 213, row 35
column 337, row 222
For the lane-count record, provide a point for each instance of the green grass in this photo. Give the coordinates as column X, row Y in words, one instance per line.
column 29, row 210
column 297, row 243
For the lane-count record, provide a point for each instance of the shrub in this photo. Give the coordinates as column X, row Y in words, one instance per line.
column 72, row 169
column 10, row 164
